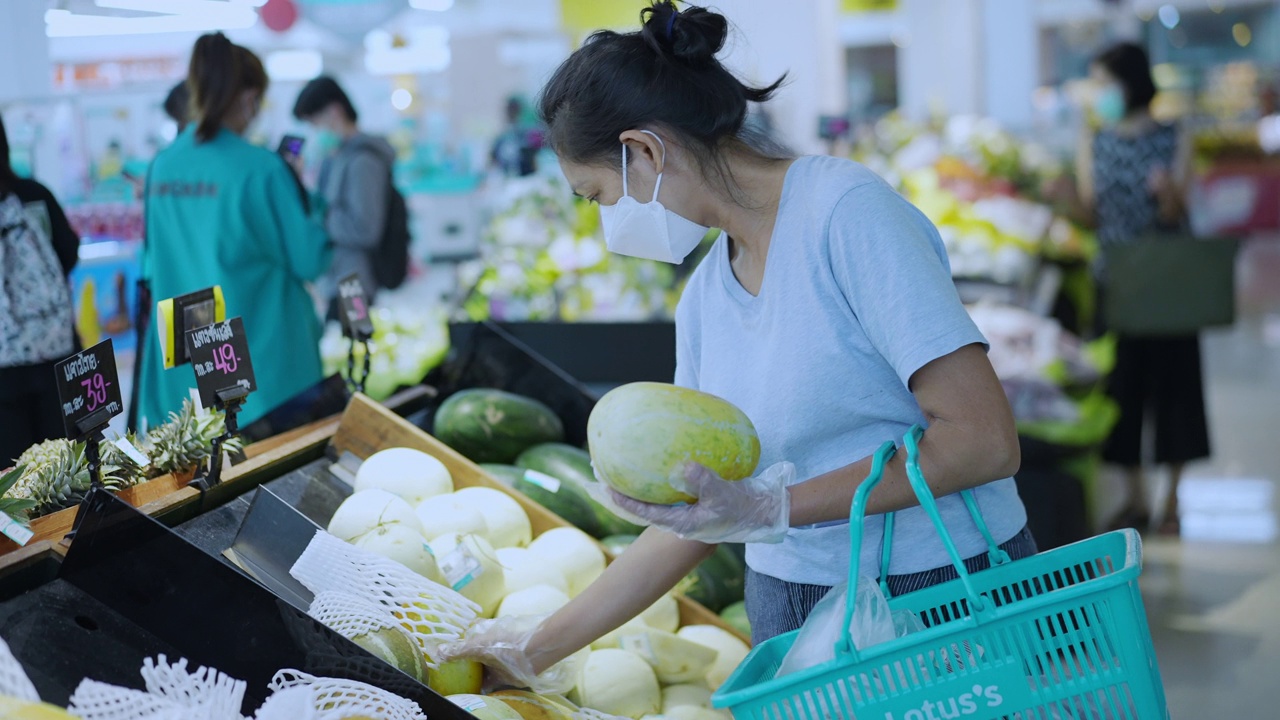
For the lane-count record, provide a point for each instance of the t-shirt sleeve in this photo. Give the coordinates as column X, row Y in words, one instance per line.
column 891, row 266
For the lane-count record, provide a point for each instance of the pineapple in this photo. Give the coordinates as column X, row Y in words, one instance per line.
column 56, row 474
column 184, row 443
column 15, row 508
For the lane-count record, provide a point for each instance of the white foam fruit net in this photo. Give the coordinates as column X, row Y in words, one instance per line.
column 431, row 613
column 350, row 615
column 171, row 693
column 13, row 679
column 299, row 696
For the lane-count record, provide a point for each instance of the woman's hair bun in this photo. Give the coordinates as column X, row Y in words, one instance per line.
column 694, row 35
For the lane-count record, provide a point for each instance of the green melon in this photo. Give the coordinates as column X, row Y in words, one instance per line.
column 717, row 582
column 572, row 467
column 643, row 434
column 615, row 544
column 508, row 475
column 493, row 426
column 736, row 616
column 397, row 649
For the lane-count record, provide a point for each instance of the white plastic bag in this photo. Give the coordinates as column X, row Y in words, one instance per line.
column 873, row 623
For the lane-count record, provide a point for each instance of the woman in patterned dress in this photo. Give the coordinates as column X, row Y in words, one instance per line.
column 1132, row 173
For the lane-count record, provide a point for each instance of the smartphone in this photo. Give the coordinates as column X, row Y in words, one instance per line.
column 291, row 146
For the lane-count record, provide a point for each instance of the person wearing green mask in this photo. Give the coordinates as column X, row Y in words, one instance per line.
column 221, row 211
column 1132, row 175
column 354, row 180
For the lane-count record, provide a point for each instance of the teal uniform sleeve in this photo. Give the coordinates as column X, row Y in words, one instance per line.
column 307, row 250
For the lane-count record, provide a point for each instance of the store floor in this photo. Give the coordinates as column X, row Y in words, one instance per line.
column 1213, row 598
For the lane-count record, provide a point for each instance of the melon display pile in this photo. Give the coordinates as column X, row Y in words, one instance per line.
column 641, row 431
column 478, row 541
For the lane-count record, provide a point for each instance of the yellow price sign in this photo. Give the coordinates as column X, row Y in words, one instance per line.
column 861, row 6
column 583, row 17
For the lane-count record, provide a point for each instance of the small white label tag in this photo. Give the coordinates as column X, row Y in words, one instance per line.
column 132, row 451
column 640, row 645
column 14, row 530
column 542, row 480
column 472, row 705
column 460, row 567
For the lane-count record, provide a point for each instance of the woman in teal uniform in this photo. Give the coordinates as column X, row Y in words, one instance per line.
column 223, row 212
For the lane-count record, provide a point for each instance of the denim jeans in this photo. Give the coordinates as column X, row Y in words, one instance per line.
column 776, row 606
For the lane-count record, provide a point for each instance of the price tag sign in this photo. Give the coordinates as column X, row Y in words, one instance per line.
column 89, row 389
column 220, row 357
column 176, row 317
column 354, row 305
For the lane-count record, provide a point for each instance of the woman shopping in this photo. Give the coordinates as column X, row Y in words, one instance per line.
column 1132, row 176
column 825, row 311
column 223, row 212
column 38, row 249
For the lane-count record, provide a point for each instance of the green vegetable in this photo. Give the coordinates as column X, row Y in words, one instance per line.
column 572, row 467
column 492, row 426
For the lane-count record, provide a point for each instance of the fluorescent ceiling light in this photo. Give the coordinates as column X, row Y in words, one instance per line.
column 433, row 5
column 172, row 16
column 288, row 65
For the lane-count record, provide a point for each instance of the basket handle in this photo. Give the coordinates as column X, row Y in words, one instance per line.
column 857, row 520
column 930, row 505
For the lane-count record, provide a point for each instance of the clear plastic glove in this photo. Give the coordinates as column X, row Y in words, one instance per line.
column 756, row 510
column 502, row 645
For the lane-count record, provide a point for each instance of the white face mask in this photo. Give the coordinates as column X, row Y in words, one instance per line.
column 648, row 230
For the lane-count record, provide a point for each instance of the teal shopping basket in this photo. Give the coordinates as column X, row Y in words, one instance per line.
column 1058, row 635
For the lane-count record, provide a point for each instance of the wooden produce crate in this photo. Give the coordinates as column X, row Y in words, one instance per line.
column 367, row 427
column 264, row 461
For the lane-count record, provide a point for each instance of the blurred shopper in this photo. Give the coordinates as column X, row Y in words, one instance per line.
column 1133, row 174
column 177, row 104
column 38, row 249
column 355, row 182
column 221, row 211
column 515, row 151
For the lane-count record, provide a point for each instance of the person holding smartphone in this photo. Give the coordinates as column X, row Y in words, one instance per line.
column 354, row 181
column 222, row 211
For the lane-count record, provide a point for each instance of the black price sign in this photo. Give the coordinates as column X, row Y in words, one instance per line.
column 354, row 306
column 89, row 389
column 220, row 357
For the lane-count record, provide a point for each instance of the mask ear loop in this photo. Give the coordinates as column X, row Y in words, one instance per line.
column 657, row 186
column 625, row 192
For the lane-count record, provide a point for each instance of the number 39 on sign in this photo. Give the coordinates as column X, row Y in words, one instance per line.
column 89, row 389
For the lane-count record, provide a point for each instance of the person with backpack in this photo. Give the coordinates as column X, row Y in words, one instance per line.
column 366, row 216
column 38, row 250
column 222, row 211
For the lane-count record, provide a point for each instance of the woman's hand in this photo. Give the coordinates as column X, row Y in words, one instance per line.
column 503, row 646
column 756, row 509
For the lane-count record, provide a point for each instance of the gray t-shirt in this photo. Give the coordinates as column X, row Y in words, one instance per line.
column 856, row 297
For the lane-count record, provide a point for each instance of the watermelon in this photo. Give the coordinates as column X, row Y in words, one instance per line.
column 717, row 582
column 736, row 617
column 643, row 434
column 492, row 426
column 506, row 474
column 615, row 544
column 572, row 467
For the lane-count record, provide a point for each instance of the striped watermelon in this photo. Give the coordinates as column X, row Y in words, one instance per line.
column 643, row 434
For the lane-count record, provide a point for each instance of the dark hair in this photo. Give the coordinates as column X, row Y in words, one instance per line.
column 320, row 94
column 1128, row 64
column 177, row 104
column 220, row 71
column 666, row 74
column 8, row 179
